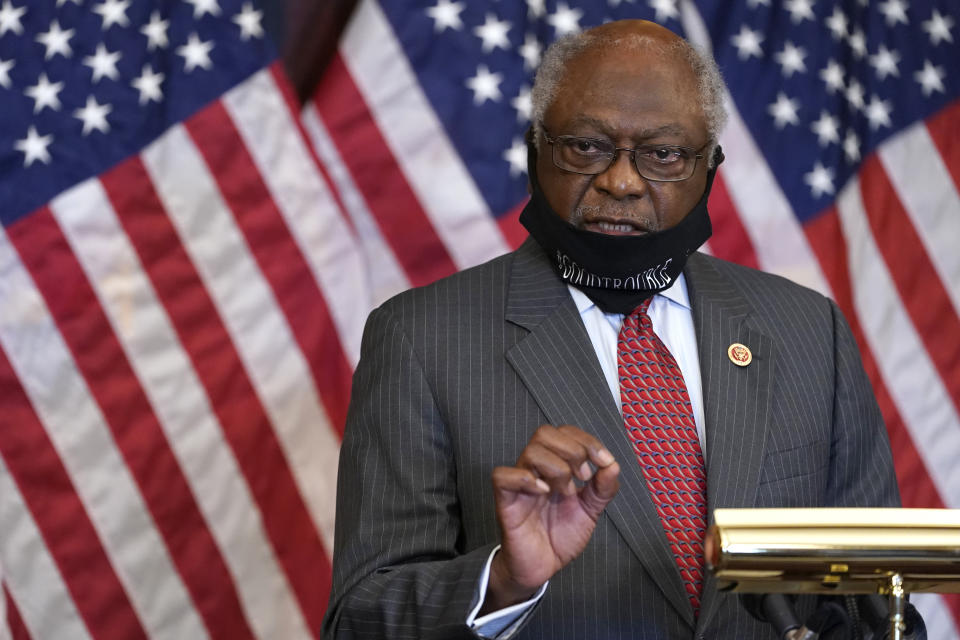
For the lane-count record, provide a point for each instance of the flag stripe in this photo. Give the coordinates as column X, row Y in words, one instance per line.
column 17, row 630
column 945, row 133
column 66, row 529
column 826, row 239
column 429, row 162
column 929, row 197
column 386, row 276
column 203, row 441
column 277, row 255
column 298, row 295
column 266, row 125
column 175, row 376
column 127, row 413
column 918, row 284
column 32, row 578
column 206, row 227
column 911, row 378
column 730, row 240
column 394, row 206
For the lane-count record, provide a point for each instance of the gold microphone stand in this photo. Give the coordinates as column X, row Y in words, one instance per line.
column 891, row 552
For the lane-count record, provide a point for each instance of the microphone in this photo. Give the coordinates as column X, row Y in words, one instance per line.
column 773, row 608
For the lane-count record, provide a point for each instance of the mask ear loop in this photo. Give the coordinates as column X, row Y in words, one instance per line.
column 530, row 138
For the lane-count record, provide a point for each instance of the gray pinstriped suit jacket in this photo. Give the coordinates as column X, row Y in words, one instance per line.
column 455, row 377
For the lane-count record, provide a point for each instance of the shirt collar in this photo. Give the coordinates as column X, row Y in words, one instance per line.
column 676, row 293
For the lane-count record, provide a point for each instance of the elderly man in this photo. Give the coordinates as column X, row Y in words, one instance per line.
column 674, row 383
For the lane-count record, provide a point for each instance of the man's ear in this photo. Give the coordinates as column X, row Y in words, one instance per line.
column 529, row 138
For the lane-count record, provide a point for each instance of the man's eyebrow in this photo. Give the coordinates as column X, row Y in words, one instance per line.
column 665, row 130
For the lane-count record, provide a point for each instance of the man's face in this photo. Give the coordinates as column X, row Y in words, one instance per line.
column 630, row 97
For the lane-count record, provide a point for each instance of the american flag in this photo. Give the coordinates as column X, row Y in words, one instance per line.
column 842, row 169
column 181, row 299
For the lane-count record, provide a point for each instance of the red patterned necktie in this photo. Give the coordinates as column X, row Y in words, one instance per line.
column 659, row 420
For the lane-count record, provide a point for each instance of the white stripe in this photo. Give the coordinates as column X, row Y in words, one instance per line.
column 910, row 377
column 80, row 434
column 35, row 583
column 265, row 342
column 936, row 616
column 384, row 272
column 176, row 394
column 266, row 125
column 929, row 196
column 414, row 133
column 775, row 233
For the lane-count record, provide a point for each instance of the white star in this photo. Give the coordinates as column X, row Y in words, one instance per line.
column 148, row 84
column 820, row 180
column 885, row 62
column 878, row 112
column 616, row 3
column 45, row 94
column 536, row 8
column 94, row 116
column 249, row 22
column 446, row 15
column 800, row 10
column 895, row 11
column 156, row 32
column 530, row 51
column 10, row 18
column 565, row 20
column 493, row 32
column 832, row 76
column 747, row 43
column 851, row 146
column 516, row 155
column 827, row 129
column 56, row 41
column 113, row 12
column 665, row 9
column 858, row 43
column 63, row 2
column 930, row 78
column 938, row 26
column 485, row 85
column 195, row 53
column 523, row 104
column 854, row 95
column 753, row 4
column 837, row 23
column 5, row 66
column 34, row 147
column 791, row 59
column 784, row 111
column 200, row 7
column 103, row 63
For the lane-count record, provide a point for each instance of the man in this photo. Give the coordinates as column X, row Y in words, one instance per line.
column 607, row 397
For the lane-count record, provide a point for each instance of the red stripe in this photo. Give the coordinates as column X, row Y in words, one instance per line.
column 827, row 241
column 53, row 502
column 18, row 630
column 135, row 428
column 277, row 254
column 288, row 521
column 513, row 232
column 375, row 171
column 921, row 290
column 730, row 240
column 944, row 128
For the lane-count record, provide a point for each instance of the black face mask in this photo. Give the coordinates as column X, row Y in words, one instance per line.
column 616, row 272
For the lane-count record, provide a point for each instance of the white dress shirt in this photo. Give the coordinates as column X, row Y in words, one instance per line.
column 672, row 321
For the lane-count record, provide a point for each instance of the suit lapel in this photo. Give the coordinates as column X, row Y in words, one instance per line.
column 559, row 367
column 736, row 399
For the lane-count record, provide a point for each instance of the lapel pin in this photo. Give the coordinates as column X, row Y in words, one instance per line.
column 739, row 354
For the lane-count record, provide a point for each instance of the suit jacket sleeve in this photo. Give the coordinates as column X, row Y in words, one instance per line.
column 398, row 572
column 861, row 470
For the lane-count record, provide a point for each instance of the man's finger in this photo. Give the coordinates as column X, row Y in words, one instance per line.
column 516, row 480
column 601, row 489
column 598, row 454
column 547, row 463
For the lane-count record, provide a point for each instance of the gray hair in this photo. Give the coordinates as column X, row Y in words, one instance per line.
column 553, row 67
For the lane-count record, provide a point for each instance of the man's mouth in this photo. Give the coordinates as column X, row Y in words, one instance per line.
column 618, row 227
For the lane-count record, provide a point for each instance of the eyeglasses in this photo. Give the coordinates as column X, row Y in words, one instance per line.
column 593, row 156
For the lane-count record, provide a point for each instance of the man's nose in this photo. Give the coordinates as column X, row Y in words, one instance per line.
column 621, row 180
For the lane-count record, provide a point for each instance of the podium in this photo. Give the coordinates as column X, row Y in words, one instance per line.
column 891, row 552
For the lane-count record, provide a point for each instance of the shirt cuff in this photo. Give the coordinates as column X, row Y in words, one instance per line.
column 500, row 624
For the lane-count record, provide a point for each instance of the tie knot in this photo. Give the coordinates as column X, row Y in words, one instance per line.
column 635, row 318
